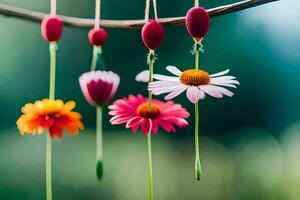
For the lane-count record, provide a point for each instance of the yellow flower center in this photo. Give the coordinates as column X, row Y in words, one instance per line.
column 143, row 110
column 194, row 77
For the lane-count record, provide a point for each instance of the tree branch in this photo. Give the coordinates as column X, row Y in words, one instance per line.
column 84, row 22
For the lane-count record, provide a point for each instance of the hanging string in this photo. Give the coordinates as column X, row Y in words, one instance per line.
column 53, row 8
column 147, row 10
column 155, row 10
column 196, row 3
column 97, row 13
column 97, row 50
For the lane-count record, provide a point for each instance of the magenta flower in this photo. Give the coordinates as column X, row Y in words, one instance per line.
column 99, row 87
column 134, row 111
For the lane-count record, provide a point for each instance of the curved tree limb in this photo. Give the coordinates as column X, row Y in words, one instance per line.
column 84, row 22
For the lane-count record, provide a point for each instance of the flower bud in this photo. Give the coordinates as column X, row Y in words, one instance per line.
column 152, row 34
column 197, row 22
column 97, row 36
column 51, row 28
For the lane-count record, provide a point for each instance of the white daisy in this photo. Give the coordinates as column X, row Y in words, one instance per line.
column 195, row 82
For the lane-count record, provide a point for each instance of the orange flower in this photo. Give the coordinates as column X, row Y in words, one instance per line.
column 53, row 115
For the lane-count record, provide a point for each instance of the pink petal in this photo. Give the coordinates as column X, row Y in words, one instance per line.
column 154, row 127
column 133, row 122
column 146, row 126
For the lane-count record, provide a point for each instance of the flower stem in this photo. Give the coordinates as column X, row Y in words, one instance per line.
column 150, row 176
column 150, row 63
column 198, row 171
column 48, row 168
column 197, row 55
column 97, row 52
column 99, row 148
column 52, row 50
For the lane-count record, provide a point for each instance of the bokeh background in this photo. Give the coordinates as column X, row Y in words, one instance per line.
column 250, row 143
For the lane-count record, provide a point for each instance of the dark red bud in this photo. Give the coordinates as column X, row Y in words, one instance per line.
column 97, row 36
column 51, row 28
column 197, row 22
column 152, row 34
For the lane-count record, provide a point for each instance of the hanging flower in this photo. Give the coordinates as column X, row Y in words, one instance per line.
column 53, row 115
column 51, row 28
column 152, row 34
column 99, row 87
column 134, row 111
column 97, row 36
column 195, row 82
column 197, row 22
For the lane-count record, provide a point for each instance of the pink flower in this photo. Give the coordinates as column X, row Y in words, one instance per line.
column 99, row 87
column 134, row 111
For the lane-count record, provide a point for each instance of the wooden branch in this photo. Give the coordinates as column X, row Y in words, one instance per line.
column 88, row 23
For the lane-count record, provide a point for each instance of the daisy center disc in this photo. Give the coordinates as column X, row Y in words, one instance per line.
column 194, row 77
column 143, row 110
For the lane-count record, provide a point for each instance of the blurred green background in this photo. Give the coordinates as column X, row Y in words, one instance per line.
column 250, row 143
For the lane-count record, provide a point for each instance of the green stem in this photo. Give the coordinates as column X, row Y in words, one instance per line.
column 48, row 168
column 150, row 63
column 197, row 47
column 198, row 171
column 52, row 50
column 97, row 51
column 99, row 144
column 150, row 176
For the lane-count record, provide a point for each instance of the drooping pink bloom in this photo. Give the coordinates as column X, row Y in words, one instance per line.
column 99, row 87
column 134, row 112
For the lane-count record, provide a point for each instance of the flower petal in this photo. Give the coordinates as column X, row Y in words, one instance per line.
column 179, row 89
column 165, row 89
column 174, row 70
column 146, row 126
column 216, row 91
column 220, row 73
column 142, row 76
column 165, row 78
column 211, row 91
column 194, row 94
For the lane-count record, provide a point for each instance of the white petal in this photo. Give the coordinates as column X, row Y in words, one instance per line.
column 220, row 73
column 225, row 78
column 224, row 84
column 176, row 92
column 211, row 91
column 142, row 76
column 165, row 78
column 163, row 83
column 168, row 89
column 216, row 91
column 220, row 80
column 194, row 94
column 174, row 70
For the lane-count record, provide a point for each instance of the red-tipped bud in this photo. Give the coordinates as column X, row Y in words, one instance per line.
column 152, row 34
column 51, row 28
column 197, row 22
column 97, row 36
